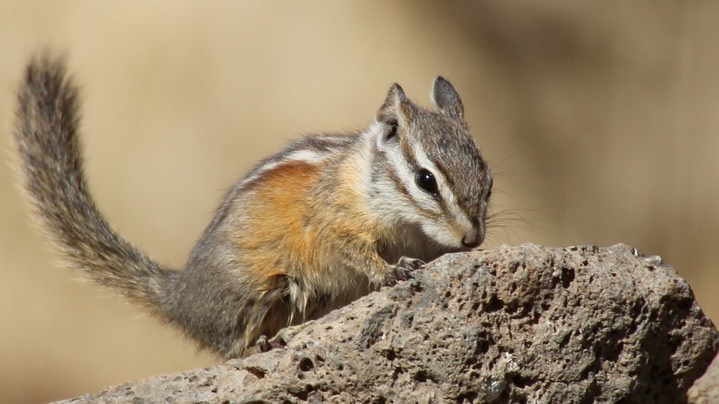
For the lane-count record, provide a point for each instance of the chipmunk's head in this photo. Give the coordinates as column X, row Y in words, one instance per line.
column 429, row 173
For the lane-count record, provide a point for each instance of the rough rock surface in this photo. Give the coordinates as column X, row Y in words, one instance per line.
column 706, row 389
column 513, row 324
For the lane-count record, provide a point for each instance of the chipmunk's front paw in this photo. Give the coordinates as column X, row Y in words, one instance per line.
column 402, row 271
column 278, row 341
column 281, row 339
column 263, row 344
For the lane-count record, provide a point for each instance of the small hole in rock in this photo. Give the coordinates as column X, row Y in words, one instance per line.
column 306, row 364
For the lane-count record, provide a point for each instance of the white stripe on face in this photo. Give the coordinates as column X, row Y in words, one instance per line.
column 459, row 217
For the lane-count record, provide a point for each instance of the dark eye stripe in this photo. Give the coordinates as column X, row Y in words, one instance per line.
column 392, row 174
column 402, row 186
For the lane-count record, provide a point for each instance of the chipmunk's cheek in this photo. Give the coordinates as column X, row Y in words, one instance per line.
column 444, row 235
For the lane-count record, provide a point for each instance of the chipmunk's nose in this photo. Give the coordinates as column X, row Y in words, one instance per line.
column 474, row 237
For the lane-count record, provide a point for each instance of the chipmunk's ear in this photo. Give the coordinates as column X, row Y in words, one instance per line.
column 395, row 112
column 395, row 105
column 446, row 99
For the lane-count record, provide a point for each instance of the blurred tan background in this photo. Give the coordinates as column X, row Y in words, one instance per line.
column 602, row 121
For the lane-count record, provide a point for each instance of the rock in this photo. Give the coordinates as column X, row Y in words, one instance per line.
column 513, row 324
column 706, row 389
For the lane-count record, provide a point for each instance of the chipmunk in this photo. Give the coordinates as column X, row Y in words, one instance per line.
column 324, row 222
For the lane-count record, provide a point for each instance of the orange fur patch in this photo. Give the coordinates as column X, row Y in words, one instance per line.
column 277, row 212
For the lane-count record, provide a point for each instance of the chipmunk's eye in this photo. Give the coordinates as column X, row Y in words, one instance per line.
column 425, row 180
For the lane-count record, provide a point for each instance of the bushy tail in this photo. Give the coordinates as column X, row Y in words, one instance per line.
column 46, row 125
